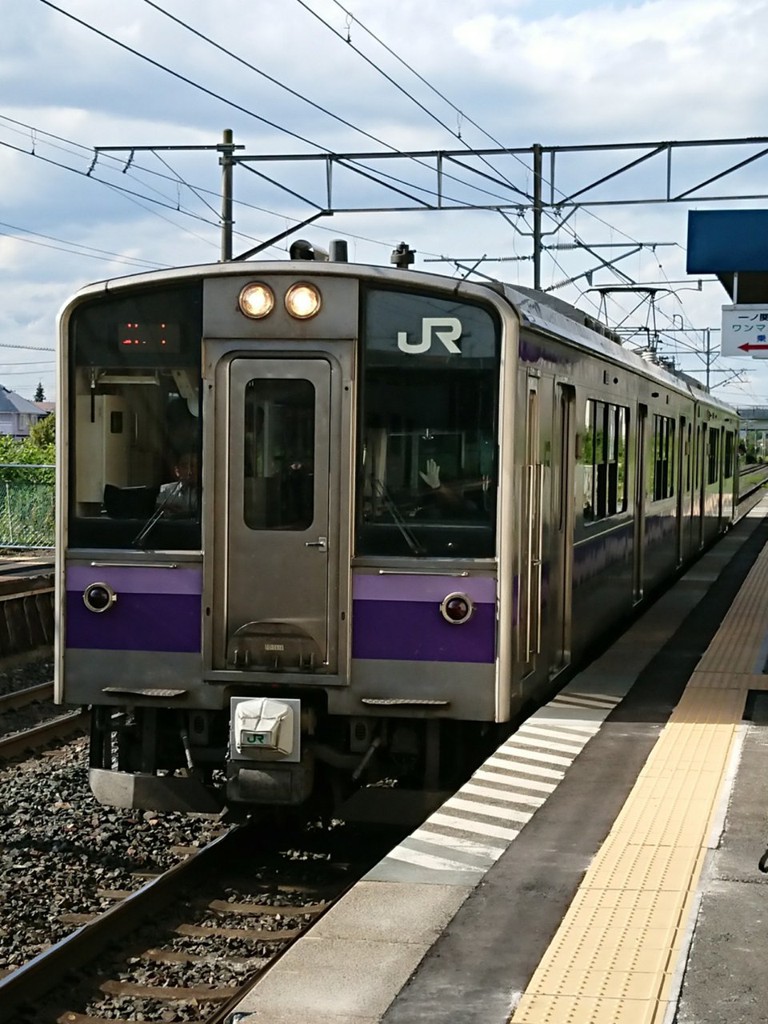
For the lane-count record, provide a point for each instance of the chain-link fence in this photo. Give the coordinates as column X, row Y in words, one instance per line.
column 27, row 501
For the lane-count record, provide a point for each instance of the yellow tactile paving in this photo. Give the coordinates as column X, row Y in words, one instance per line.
column 614, row 956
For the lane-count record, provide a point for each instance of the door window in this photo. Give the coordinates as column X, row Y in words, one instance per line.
column 279, row 455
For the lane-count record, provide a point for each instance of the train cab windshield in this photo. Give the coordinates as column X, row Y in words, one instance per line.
column 135, row 421
column 428, row 461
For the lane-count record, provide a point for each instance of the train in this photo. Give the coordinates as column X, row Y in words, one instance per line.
column 325, row 529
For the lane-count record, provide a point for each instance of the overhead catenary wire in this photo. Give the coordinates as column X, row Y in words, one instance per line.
column 237, row 106
column 459, row 111
column 194, row 84
column 71, row 247
column 39, row 133
column 317, row 106
column 457, row 134
column 183, row 78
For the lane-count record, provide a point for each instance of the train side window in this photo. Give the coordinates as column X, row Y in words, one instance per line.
column 729, row 454
column 713, row 456
column 661, row 482
column 604, row 460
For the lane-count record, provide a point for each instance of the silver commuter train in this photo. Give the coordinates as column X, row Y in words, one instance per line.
column 321, row 524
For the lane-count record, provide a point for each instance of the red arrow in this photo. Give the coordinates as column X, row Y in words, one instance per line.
column 751, row 348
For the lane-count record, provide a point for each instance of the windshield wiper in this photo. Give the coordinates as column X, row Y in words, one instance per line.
column 415, row 546
column 158, row 514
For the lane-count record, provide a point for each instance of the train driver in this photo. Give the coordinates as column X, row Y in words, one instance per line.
column 453, row 497
column 179, row 497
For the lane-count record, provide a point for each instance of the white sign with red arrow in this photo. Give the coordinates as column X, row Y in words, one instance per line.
column 745, row 331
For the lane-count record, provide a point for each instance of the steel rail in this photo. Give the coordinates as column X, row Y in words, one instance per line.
column 22, row 698
column 33, row 739
column 49, row 969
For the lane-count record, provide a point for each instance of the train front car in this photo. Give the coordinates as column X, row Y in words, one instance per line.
column 323, row 525
column 279, row 530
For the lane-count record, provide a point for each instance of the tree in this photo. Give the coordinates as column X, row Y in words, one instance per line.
column 39, row 393
column 43, row 433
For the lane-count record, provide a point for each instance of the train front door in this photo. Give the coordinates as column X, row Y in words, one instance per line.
column 282, row 488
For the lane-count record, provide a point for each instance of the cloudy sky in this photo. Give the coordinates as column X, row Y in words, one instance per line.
column 386, row 77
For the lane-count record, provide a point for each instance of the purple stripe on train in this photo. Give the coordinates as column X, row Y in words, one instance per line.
column 397, row 618
column 157, row 609
column 136, row 622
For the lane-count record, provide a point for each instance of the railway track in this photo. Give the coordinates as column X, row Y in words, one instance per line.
column 23, row 698
column 751, row 480
column 36, row 737
column 18, row 737
column 248, row 907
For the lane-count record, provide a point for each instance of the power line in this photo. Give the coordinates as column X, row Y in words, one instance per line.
column 35, row 369
column 183, row 78
column 237, row 106
column 458, row 110
column 31, row 348
column 558, row 224
column 417, row 74
column 196, row 85
column 401, row 88
column 269, row 78
column 108, row 184
column 302, row 97
column 66, row 246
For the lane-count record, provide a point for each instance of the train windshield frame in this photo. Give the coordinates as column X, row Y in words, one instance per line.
column 135, row 419
column 428, row 427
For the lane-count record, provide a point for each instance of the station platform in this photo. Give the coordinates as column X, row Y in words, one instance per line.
column 602, row 866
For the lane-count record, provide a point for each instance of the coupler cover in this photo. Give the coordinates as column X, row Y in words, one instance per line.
column 265, row 729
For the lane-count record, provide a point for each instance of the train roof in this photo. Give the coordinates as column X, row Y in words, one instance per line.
column 554, row 316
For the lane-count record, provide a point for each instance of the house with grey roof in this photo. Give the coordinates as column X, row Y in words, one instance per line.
column 17, row 414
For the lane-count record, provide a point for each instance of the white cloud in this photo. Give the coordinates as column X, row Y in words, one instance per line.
column 681, row 67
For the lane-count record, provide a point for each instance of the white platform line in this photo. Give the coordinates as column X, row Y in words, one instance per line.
column 573, row 700
column 472, row 846
column 534, row 738
column 511, row 763
column 507, row 795
column 514, row 745
column 480, row 828
column 460, row 848
column 436, row 862
column 485, row 810
column 561, row 730
column 611, row 698
column 561, row 727
column 482, row 775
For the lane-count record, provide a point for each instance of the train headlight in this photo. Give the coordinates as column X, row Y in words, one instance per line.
column 98, row 597
column 256, row 300
column 303, row 301
column 457, row 608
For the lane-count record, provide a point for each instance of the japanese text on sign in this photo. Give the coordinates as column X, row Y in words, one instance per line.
column 745, row 331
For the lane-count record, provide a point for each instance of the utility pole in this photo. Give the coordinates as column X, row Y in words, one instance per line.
column 537, row 211
column 227, row 150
